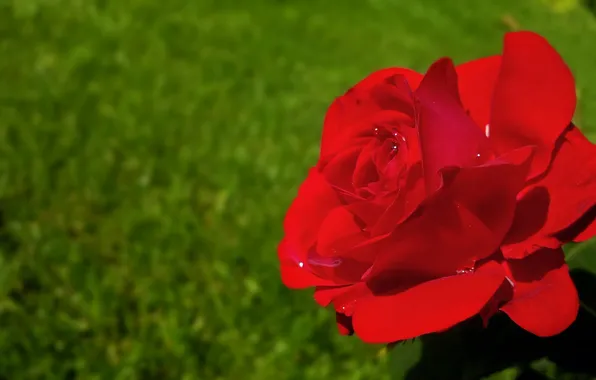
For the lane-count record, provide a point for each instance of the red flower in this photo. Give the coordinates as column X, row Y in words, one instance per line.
column 442, row 197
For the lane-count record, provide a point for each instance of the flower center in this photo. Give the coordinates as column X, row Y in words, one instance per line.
column 381, row 163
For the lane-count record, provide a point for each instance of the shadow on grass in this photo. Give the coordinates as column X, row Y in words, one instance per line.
column 472, row 352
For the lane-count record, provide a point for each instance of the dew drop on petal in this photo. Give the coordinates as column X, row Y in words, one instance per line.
column 510, row 281
column 464, row 271
column 348, row 308
column 487, row 130
column 328, row 262
column 295, row 258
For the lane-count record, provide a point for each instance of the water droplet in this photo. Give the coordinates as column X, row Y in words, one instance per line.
column 477, row 154
column 328, row 262
column 510, row 281
column 465, row 271
column 301, row 264
column 394, row 147
column 376, row 131
column 487, row 130
column 348, row 308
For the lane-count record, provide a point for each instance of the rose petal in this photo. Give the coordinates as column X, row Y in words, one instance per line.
column 339, row 171
column 365, row 171
column 295, row 273
column 324, row 295
column 502, row 295
column 394, row 94
column 429, row 307
column 586, row 227
column 545, row 301
column 343, row 297
column 477, row 80
column 305, row 215
column 350, row 265
column 338, row 233
column 344, row 324
column 448, row 137
column 558, row 200
column 411, row 195
column 463, row 222
column 357, row 103
column 368, row 212
column 534, row 99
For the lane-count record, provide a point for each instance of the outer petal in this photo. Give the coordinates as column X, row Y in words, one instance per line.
column 429, row 307
column 560, row 198
column 545, row 301
column 343, row 297
column 448, row 137
column 534, row 99
column 315, row 200
column 295, row 273
column 477, row 80
column 308, row 211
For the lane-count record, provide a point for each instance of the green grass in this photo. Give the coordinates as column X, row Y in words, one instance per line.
column 149, row 150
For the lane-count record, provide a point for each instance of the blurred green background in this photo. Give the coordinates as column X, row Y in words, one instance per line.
column 149, row 150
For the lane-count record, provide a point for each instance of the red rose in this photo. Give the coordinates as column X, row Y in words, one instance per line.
column 442, row 197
